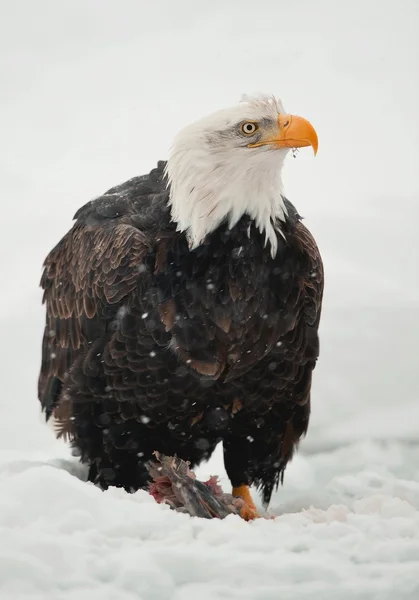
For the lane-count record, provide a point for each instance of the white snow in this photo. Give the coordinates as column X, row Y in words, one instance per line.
column 92, row 94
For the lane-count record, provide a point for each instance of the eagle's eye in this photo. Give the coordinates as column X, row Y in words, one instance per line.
column 248, row 128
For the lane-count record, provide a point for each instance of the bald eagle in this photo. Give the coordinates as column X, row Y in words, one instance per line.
column 182, row 309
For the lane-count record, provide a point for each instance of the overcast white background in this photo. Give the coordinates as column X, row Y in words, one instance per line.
column 91, row 94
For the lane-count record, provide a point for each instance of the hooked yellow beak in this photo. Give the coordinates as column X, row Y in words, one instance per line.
column 294, row 132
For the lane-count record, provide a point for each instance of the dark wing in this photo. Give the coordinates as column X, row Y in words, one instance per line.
column 307, row 346
column 287, row 388
column 91, row 271
column 304, row 340
column 314, row 282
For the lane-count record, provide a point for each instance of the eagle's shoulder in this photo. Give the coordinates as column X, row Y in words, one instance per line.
column 293, row 215
column 298, row 232
column 141, row 201
column 110, row 238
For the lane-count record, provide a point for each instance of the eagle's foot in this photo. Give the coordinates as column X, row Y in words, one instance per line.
column 248, row 511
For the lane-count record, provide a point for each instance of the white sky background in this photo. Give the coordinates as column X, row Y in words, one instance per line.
column 91, row 94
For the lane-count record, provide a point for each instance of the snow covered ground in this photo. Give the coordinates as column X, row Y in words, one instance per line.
column 91, row 94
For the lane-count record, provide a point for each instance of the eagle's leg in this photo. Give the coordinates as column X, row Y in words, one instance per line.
column 237, row 455
column 248, row 510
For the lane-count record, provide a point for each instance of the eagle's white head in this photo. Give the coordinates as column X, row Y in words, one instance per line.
column 229, row 164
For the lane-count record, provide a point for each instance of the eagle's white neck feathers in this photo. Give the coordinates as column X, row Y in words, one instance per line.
column 215, row 177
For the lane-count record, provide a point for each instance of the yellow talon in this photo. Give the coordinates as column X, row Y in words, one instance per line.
column 248, row 512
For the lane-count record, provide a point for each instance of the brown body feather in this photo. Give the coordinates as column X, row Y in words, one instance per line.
column 151, row 347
